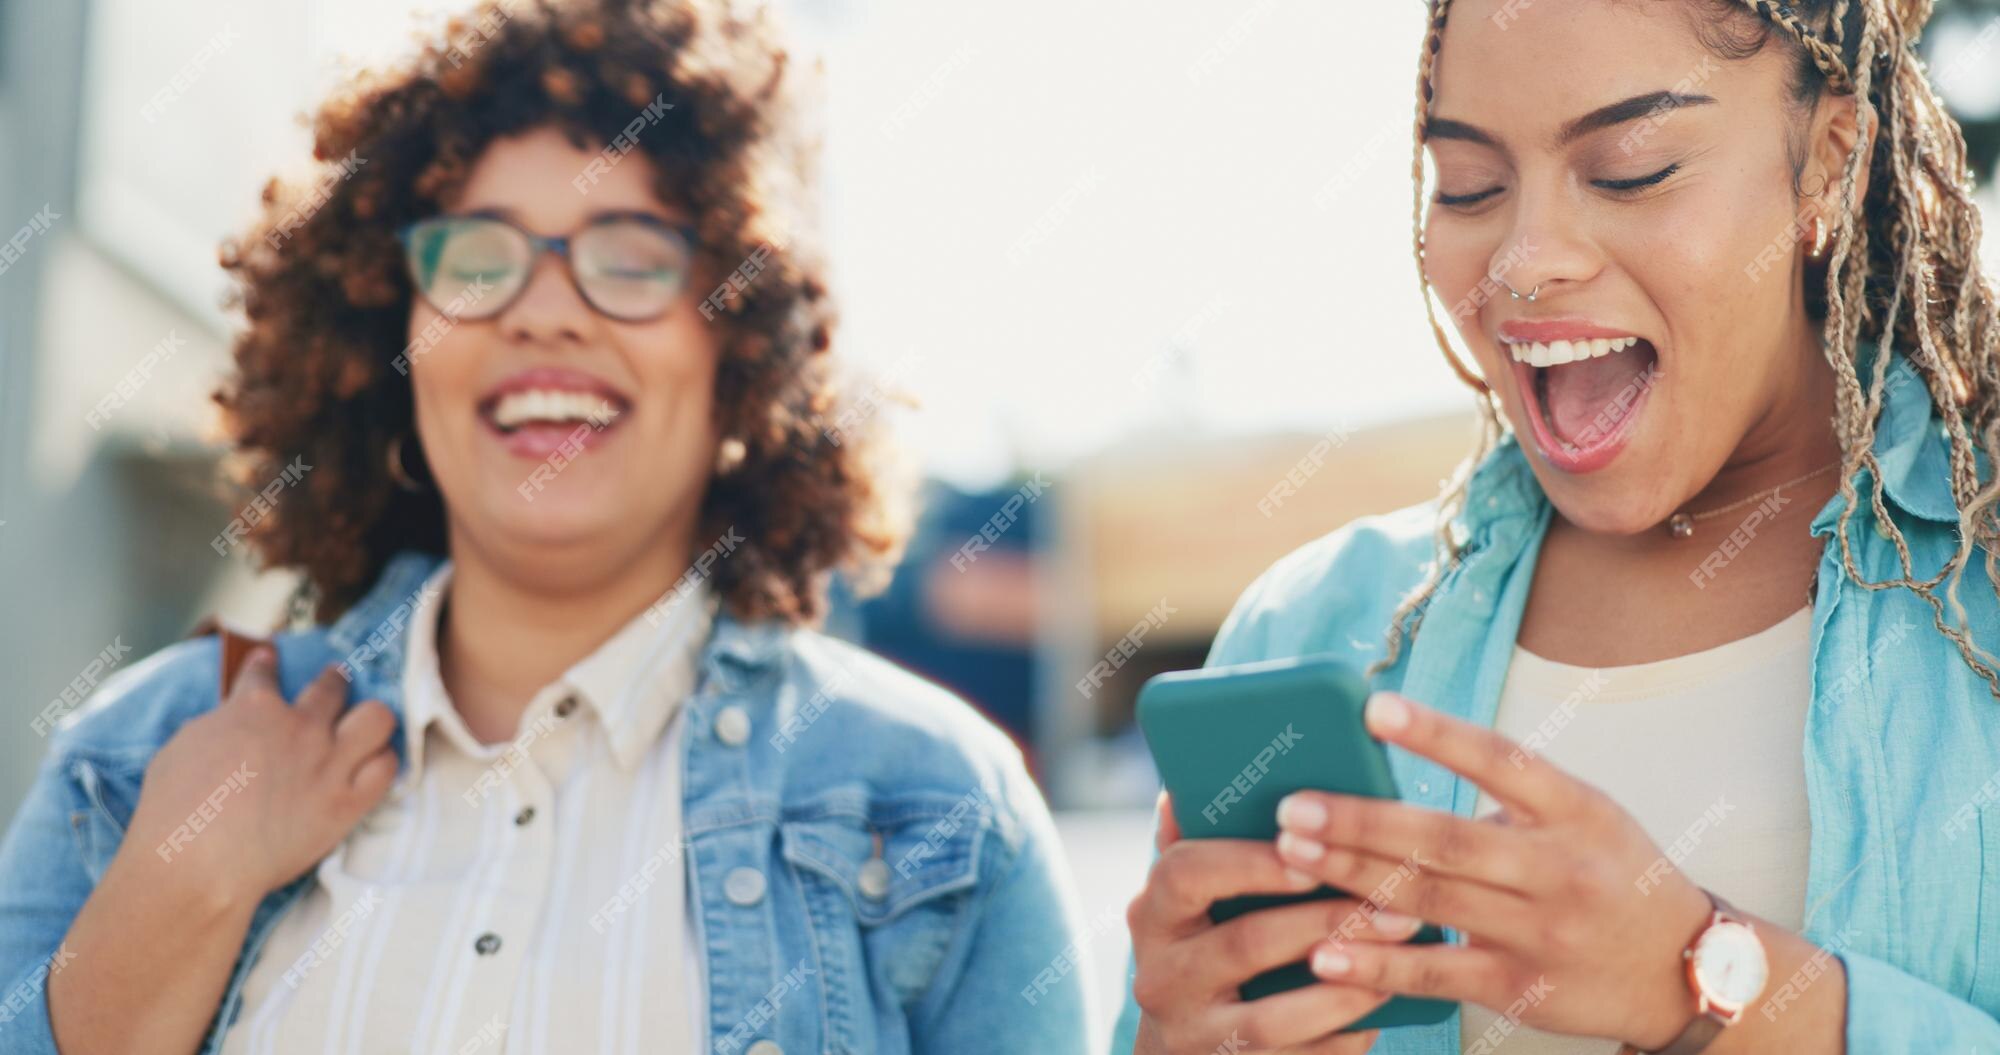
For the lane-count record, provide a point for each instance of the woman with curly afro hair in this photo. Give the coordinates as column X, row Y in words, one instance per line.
column 564, row 765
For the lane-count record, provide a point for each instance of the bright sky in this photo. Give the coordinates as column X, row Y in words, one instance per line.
column 1064, row 226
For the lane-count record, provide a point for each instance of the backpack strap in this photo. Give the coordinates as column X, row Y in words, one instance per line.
column 236, row 647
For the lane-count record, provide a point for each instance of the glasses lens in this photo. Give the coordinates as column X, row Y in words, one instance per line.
column 467, row 266
column 630, row 269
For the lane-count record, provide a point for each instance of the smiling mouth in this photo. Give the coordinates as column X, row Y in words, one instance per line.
column 1583, row 396
column 550, row 407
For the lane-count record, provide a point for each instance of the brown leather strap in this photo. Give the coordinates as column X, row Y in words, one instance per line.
column 235, row 648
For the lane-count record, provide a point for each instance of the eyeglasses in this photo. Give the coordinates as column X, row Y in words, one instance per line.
column 630, row 267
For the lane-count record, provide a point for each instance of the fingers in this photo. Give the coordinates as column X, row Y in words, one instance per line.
column 1411, row 888
column 324, row 696
column 1302, row 1018
column 1503, row 769
column 1166, row 830
column 1449, row 972
column 1490, row 853
column 1232, row 952
column 257, row 679
column 1193, row 874
column 372, row 778
column 362, row 731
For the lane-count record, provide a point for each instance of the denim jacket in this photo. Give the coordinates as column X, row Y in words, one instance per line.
column 1901, row 747
column 958, row 934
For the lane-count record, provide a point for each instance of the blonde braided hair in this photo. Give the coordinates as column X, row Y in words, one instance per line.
column 1902, row 269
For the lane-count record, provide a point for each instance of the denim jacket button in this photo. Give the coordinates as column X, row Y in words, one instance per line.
column 732, row 726
column 743, row 886
column 765, row 1047
column 874, row 879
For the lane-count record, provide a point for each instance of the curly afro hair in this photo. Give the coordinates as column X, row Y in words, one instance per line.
column 321, row 281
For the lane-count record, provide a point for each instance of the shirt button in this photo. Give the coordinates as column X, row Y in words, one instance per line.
column 874, row 879
column 765, row 1047
column 1423, row 787
column 565, row 706
column 522, row 818
column 743, row 886
column 488, row 944
column 732, row 726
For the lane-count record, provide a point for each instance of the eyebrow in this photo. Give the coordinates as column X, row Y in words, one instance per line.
column 1662, row 102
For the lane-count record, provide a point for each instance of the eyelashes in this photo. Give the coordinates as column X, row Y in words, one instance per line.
column 1616, row 186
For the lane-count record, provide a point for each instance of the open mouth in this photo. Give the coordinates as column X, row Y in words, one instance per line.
column 1584, row 395
column 539, row 413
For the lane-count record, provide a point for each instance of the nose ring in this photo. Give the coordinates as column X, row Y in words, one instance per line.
column 1516, row 294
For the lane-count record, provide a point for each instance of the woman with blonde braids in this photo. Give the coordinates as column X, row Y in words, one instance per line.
column 1707, row 756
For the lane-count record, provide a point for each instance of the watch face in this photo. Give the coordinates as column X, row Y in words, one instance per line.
column 1729, row 965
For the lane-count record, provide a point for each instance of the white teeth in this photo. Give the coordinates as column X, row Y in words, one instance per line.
column 552, row 405
column 1556, row 353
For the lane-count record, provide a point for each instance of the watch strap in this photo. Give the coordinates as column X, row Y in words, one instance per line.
column 1706, row 1025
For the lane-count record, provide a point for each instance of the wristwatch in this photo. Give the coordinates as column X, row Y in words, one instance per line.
column 1726, row 970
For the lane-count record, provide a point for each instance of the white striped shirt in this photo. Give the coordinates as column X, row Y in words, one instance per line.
column 508, row 899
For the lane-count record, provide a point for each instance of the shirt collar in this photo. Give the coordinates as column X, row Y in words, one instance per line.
column 633, row 683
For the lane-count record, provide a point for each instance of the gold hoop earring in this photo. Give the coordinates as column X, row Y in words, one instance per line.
column 1820, row 239
column 398, row 472
column 728, row 455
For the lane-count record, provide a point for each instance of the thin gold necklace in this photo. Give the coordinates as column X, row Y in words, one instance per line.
column 1681, row 525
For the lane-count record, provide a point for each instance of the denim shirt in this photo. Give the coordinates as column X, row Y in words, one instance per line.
column 1901, row 748
column 913, row 895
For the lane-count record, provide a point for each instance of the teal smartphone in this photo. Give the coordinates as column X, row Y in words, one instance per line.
column 1230, row 742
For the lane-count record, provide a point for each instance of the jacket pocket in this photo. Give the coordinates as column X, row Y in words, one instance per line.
column 887, row 889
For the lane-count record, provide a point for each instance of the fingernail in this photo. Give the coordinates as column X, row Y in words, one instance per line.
column 1299, row 849
column 1330, row 961
column 1298, row 811
column 1395, row 924
column 1388, row 712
